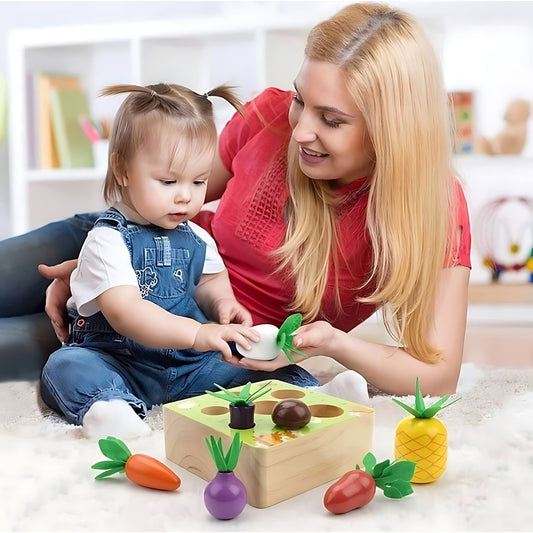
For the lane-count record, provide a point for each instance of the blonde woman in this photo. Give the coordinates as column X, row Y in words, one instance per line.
column 339, row 198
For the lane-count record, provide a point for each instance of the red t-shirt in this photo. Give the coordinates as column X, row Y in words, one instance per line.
column 248, row 224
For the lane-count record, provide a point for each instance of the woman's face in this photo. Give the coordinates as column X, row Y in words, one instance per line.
column 328, row 127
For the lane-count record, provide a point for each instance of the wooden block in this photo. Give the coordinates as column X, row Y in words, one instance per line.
column 274, row 464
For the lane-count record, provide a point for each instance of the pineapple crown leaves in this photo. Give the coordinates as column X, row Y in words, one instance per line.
column 420, row 410
column 394, row 479
column 286, row 334
column 118, row 453
column 228, row 462
column 243, row 398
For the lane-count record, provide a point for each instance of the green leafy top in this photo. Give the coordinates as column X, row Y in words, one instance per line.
column 228, row 462
column 394, row 479
column 420, row 410
column 243, row 398
column 115, row 450
column 286, row 334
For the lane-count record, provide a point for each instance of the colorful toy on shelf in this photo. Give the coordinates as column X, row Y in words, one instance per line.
column 503, row 231
column 291, row 414
column 275, row 464
column 274, row 341
column 529, row 266
column 241, row 405
column 357, row 487
column 225, row 494
column 422, row 438
column 139, row 468
column 463, row 107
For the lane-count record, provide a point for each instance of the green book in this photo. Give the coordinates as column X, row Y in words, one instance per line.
column 73, row 146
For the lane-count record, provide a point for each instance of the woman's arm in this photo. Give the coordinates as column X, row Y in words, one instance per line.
column 148, row 324
column 218, row 179
column 388, row 368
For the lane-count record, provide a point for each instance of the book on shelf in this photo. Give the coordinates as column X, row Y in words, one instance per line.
column 74, row 149
column 44, row 84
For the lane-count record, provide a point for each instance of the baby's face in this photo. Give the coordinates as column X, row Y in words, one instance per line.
column 166, row 182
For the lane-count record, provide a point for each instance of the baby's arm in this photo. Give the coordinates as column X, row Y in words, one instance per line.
column 215, row 298
column 150, row 325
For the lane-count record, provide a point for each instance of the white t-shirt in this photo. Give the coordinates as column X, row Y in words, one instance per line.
column 104, row 262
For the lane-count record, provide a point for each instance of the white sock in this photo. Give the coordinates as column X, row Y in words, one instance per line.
column 113, row 418
column 347, row 385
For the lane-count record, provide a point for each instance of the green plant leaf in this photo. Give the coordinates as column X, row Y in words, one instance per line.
column 104, row 465
column 290, row 325
column 234, row 451
column 401, row 470
column 113, row 450
column 245, row 392
column 259, row 392
column 109, row 472
column 280, row 339
column 287, row 352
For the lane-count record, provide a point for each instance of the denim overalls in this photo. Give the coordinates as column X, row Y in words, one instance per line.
column 97, row 363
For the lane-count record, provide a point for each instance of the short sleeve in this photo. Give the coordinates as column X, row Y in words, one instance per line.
column 462, row 243
column 104, row 262
column 213, row 262
column 258, row 113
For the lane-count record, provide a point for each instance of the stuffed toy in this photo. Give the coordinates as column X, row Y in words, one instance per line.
column 513, row 138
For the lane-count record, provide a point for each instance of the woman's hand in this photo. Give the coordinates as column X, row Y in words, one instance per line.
column 57, row 294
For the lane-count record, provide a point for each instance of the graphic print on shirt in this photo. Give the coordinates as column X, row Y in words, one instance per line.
column 147, row 279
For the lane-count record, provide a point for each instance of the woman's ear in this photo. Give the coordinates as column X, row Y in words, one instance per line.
column 118, row 166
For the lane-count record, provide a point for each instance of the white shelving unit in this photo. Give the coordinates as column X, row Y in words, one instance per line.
column 248, row 52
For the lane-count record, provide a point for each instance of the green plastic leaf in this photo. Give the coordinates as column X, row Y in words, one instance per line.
column 214, row 448
column 369, row 460
column 398, row 489
column 113, row 450
column 259, row 392
column 104, row 465
column 234, row 451
column 290, row 325
column 433, row 409
column 419, row 400
column 121, row 444
column 287, row 352
column 407, row 408
column 401, row 470
column 379, row 468
column 109, row 472
column 281, row 339
column 245, row 392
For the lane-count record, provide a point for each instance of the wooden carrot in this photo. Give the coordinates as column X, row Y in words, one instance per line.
column 139, row 468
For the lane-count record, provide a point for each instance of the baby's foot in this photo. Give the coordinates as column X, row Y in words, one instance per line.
column 347, row 385
column 114, row 417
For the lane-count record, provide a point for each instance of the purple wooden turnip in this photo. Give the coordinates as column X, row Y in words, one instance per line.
column 225, row 496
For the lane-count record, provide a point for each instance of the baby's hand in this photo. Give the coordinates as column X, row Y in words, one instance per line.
column 216, row 337
column 228, row 310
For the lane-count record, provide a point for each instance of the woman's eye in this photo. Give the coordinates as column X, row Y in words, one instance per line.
column 297, row 100
column 331, row 123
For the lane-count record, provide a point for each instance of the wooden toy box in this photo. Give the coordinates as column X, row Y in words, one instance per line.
column 274, row 464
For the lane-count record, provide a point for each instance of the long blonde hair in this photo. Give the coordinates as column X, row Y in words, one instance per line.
column 395, row 79
column 190, row 114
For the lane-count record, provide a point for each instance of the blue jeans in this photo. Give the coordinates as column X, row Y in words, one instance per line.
column 26, row 335
column 75, row 377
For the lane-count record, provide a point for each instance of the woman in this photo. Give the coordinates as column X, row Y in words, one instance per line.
column 339, row 199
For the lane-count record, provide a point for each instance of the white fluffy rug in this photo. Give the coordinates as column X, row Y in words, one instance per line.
column 46, row 483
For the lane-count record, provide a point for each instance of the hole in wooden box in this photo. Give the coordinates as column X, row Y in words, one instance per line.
column 287, row 393
column 215, row 410
column 325, row 411
column 264, row 408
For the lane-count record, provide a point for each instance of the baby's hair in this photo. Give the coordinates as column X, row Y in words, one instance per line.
column 189, row 114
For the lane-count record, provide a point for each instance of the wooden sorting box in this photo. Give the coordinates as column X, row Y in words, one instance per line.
column 274, row 464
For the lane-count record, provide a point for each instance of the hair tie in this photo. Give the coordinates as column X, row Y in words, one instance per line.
column 152, row 93
column 206, row 96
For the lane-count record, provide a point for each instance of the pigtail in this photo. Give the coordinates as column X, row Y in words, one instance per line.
column 226, row 92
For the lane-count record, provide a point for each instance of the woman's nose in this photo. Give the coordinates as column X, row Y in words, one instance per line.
column 304, row 130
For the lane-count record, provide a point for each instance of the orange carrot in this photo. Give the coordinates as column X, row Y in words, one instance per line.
column 139, row 468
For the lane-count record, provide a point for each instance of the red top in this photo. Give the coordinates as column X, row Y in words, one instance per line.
column 248, row 224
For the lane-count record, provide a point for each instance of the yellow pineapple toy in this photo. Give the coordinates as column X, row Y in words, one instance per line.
column 422, row 438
